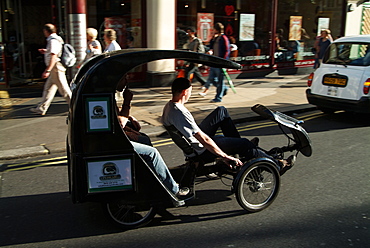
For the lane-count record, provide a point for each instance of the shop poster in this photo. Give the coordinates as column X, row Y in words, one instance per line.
column 205, row 26
column 109, row 175
column 295, row 28
column 246, row 28
column 323, row 24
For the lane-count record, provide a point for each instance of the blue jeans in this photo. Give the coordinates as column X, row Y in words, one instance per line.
column 230, row 142
column 154, row 159
column 216, row 77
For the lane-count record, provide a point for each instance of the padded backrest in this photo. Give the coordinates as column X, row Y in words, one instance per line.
column 180, row 140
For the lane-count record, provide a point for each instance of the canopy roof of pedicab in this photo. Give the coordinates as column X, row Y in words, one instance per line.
column 102, row 73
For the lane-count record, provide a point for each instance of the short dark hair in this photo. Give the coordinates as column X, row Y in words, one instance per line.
column 180, row 84
column 219, row 27
column 192, row 29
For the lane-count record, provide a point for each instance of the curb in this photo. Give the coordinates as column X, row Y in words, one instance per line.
column 23, row 152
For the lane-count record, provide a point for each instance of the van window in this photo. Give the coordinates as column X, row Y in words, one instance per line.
column 357, row 54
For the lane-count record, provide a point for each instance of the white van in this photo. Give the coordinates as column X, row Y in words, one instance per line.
column 342, row 82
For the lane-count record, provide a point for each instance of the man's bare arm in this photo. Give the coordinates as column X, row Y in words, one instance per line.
column 211, row 146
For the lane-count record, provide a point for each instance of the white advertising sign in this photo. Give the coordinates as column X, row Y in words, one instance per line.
column 98, row 114
column 109, row 175
column 323, row 24
column 246, row 28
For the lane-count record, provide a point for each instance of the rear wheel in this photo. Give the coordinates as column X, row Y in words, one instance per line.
column 257, row 186
column 128, row 216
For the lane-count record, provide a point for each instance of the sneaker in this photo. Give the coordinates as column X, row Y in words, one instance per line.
column 37, row 111
column 215, row 100
column 288, row 164
column 183, row 191
column 202, row 94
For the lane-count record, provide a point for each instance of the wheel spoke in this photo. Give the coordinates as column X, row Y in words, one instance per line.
column 129, row 216
column 258, row 186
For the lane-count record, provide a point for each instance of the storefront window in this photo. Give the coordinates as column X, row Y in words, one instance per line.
column 122, row 16
column 299, row 22
column 247, row 24
column 125, row 17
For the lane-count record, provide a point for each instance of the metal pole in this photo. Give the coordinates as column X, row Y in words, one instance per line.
column 22, row 38
column 77, row 29
column 274, row 9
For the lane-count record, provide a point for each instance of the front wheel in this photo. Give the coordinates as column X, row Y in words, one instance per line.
column 129, row 216
column 257, row 185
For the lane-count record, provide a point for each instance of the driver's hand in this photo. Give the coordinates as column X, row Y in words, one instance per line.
column 231, row 161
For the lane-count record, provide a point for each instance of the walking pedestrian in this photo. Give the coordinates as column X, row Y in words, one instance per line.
column 54, row 73
column 322, row 43
column 194, row 44
column 110, row 41
column 220, row 47
column 93, row 45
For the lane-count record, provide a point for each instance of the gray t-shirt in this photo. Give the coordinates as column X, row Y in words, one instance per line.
column 178, row 115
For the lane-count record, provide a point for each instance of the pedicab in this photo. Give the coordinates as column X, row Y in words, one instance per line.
column 104, row 167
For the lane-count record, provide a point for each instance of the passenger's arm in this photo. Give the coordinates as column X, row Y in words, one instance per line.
column 211, row 146
column 124, row 114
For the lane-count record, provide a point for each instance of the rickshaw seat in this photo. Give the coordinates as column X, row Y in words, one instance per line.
column 181, row 141
column 184, row 144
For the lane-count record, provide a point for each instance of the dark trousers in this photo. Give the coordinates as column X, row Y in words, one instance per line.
column 193, row 69
column 230, row 142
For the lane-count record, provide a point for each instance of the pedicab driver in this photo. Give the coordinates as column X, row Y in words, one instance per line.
column 202, row 138
column 150, row 154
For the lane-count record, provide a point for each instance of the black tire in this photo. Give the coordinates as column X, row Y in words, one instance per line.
column 128, row 216
column 257, row 185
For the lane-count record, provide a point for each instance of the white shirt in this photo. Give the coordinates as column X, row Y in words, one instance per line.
column 178, row 115
column 113, row 46
column 54, row 46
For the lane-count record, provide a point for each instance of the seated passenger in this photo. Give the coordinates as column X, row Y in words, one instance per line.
column 203, row 139
column 132, row 130
column 150, row 154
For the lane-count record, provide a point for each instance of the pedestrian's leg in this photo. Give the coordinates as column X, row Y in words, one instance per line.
column 61, row 82
column 198, row 76
column 210, row 80
column 48, row 94
column 220, row 86
column 219, row 118
column 154, row 159
column 189, row 70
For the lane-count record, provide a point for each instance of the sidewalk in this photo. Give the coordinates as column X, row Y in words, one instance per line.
column 29, row 135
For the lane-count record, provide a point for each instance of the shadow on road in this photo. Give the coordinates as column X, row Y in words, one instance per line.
column 46, row 217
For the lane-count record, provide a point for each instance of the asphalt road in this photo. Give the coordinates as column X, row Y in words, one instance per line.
column 324, row 200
